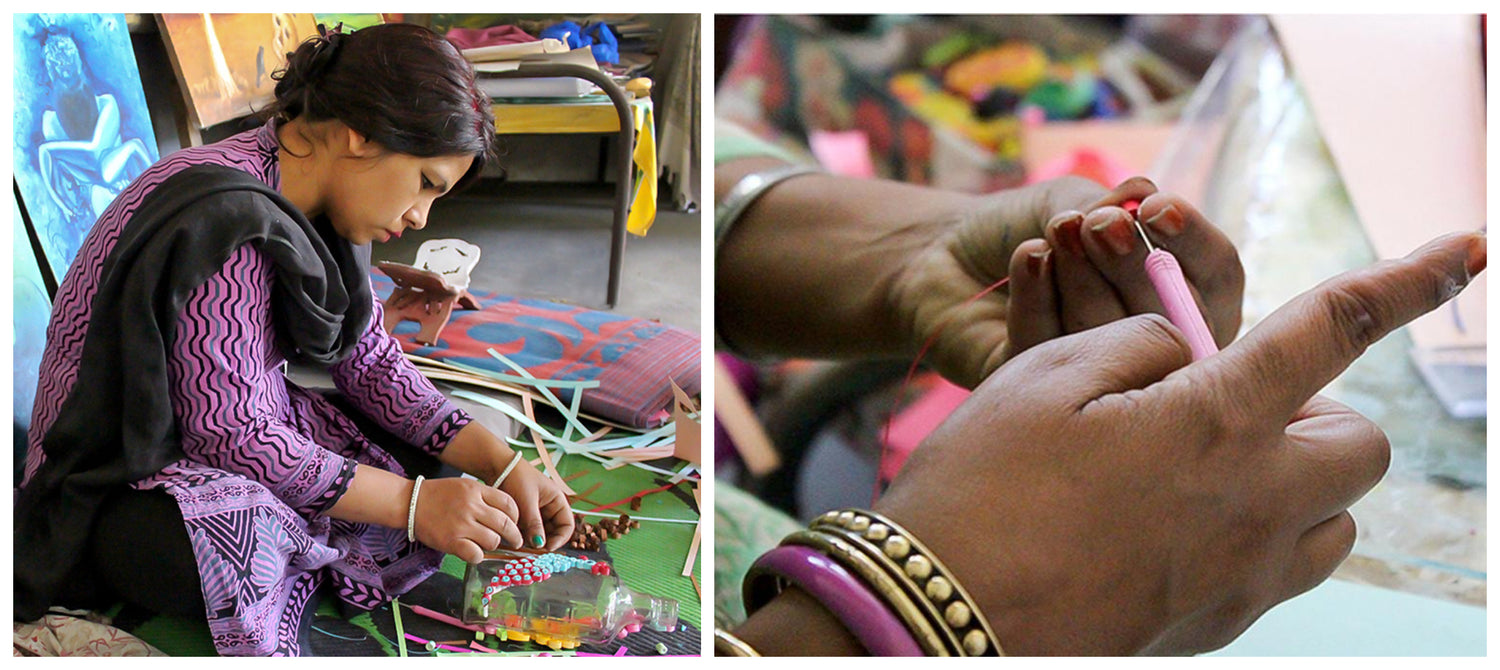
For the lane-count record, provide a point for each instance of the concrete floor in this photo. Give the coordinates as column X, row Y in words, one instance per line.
column 552, row 242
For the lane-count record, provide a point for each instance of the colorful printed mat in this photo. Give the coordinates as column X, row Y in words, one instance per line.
column 635, row 360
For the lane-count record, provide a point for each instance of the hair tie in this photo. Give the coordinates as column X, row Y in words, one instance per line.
column 333, row 37
column 324, row 47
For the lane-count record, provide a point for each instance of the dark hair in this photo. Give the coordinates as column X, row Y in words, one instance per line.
column 400, row 85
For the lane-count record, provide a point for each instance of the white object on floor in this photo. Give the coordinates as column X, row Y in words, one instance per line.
column 451, row 258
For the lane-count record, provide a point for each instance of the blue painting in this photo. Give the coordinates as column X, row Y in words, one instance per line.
column 32, row 310
column 82, row 130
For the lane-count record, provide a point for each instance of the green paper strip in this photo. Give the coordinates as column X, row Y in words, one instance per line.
column 655, row 438
column 509, row 411
column 571, row 418
column 528, row 380
column 400, row 634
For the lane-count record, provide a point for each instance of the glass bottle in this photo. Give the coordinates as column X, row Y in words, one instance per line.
column 558, row 600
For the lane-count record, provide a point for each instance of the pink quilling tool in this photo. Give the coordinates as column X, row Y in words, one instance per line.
column 1166, row 275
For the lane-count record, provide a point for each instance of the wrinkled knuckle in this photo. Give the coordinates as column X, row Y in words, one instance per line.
column 1443, row 286
column 1224, row 425
column 1353, row 313
column 1069, row 192
column 1157, row 329
column 1071, row 185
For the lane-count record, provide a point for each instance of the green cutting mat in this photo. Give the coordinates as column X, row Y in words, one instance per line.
column 649, row 559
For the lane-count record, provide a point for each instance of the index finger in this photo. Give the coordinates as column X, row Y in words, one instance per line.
column 1299, row 348
column 505, row 521
column 500, row 500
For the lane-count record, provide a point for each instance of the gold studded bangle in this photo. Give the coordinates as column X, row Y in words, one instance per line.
column 879, row 581
column 726, row 644
column 926, row 611
column 951, row 609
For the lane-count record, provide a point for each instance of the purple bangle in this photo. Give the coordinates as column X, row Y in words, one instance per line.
column 864, row 614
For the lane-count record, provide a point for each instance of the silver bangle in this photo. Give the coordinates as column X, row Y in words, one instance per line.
column 411, row 512
column 506, row 473
column 739, row 198
column 746, row 191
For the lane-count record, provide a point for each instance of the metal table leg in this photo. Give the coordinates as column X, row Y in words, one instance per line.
column 625, row 146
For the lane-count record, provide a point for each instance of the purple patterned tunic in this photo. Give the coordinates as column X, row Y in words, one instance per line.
column 264, row 457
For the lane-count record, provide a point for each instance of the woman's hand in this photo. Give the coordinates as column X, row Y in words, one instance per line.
column 1120, row 498
column 1074, row 262
column 465, row 518
column 545, row 518
column 540, row 508
column 1089, row 269
column 1117, row 497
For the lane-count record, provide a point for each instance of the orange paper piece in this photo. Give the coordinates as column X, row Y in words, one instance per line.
column 541, row 448
column 733, row 412
column 689, row 442
column 640, row 454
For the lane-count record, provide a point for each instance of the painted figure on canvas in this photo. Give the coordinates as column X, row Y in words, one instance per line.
column 82, row 130
column 85, row 161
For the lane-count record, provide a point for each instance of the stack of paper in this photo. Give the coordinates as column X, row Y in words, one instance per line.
column 509, row 57
column 510, row 52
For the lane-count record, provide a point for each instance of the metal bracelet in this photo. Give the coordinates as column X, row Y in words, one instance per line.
column 506, row 473
column 726, row 644
column 928, row 611
column 746, row 191
column 411, row 511
column 909, row 559
column 877, row 579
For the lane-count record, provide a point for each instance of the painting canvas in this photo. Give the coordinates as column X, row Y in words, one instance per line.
column 225, row 61
column 82, row 131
